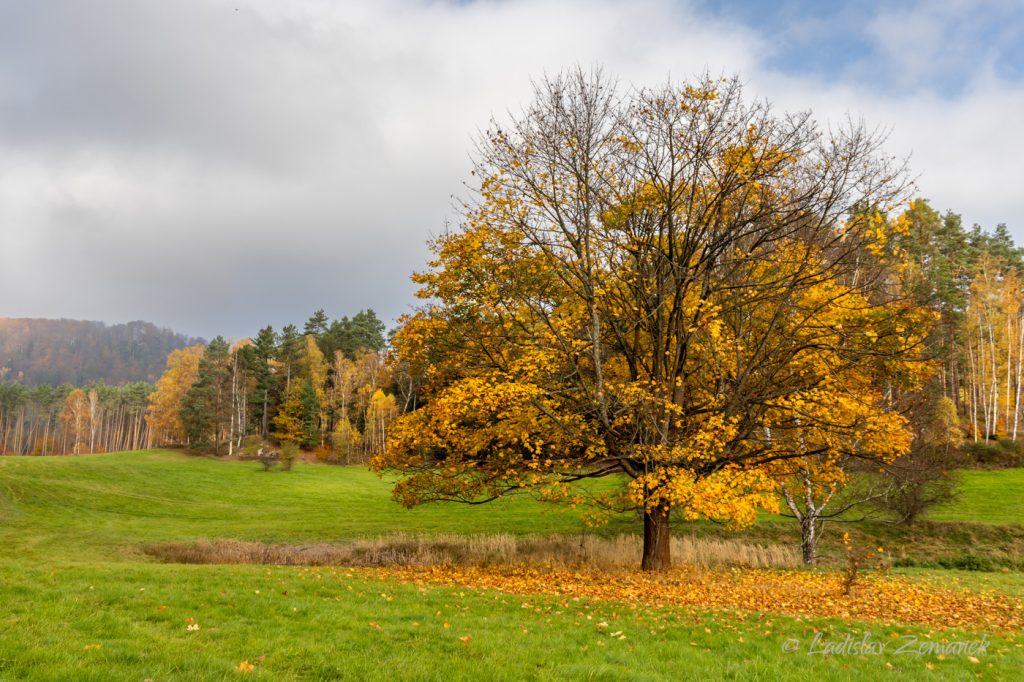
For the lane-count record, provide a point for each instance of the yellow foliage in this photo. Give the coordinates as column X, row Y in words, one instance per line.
column 673, row 313
column 164, row 412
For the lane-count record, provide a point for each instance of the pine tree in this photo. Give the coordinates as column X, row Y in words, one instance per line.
column 289, row 353
column 316, row 325
column 353, row 337
column 263, row 399
column 310, row 414
column 206, row 407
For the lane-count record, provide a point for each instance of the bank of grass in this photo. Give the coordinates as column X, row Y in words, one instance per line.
column 1010, row 583
column 116, row 502
column 986, row 496
column 111, row 504
column 131, row 621
column 79, row 599
column 926, row 544
column 983, row 529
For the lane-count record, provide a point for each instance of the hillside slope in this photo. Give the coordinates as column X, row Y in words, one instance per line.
column 110, row 505
column 38, row 351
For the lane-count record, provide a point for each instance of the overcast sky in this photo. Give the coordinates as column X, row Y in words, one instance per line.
column 215, row 166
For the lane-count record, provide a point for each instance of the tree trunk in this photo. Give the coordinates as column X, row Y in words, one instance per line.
column 1020, row 361
column 809, row 540
column 657, row 540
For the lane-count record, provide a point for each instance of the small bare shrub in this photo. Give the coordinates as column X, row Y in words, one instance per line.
column 855, row 560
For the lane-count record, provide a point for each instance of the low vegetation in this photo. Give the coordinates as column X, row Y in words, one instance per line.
column 583, row 550
column 101, row 621
column 82, row 599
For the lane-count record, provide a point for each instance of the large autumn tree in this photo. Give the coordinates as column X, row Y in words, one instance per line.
column 674, row 287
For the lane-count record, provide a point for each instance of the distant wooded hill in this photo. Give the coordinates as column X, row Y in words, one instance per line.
column 34, row 351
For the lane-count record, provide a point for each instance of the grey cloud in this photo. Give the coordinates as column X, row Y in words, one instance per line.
column 215, row 170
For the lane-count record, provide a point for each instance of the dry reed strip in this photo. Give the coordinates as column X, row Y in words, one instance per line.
column 477, row 550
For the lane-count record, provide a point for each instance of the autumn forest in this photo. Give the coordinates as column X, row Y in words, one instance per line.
column 214, row 397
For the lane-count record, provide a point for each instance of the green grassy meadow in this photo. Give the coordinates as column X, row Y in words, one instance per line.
column 105, row 506
column 992, row 497
column 79, row 600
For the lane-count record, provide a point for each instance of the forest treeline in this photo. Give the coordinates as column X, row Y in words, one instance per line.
column 79, row 352
column 328, row 388
column 49, row 420
column 972, row 279
column 325, row 387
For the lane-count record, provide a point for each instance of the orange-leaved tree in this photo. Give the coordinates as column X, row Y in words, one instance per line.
column 164, row 412
column 672, row 287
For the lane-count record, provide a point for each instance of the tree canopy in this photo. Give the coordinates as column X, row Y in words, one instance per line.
column 673, row 286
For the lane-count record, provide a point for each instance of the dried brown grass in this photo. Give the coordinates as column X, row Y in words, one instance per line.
column 477, row 550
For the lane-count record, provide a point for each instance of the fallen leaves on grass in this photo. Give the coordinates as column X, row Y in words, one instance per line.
column 245, row 667
column 880, row 598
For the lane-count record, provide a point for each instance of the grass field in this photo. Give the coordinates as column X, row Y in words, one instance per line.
column 987, row 497
column 103, row 506
column 80, row 600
